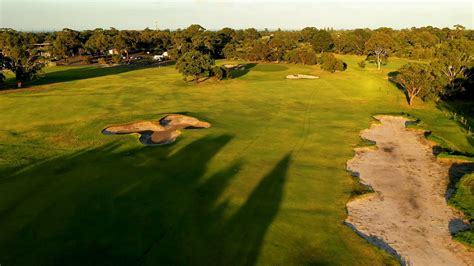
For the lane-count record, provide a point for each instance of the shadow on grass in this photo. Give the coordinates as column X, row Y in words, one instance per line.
column 146, row 206
column 456, row 172
column 237, row 73
column 78, row 73
column 391, row 77
column 457, row 227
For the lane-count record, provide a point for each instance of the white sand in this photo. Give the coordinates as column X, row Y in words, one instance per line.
column 301, row 76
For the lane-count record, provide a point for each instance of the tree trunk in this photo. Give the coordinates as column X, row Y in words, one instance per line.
column 410, row 99
column 378, row 61
column 196, row 79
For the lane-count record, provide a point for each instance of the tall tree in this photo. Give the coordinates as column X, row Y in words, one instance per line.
column 258, row 50
column 453, row 59
column 416, row 79
column 66, row 44
column 99, row 42
column 380, row 45
column 18, row 55
column 321, row 41
column 126, row 41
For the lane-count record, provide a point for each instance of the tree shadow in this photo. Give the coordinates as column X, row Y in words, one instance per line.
column 456, row 172
column 457, row 225
column 147, row 206
column 237, row 73
column 379, row 242
column 391, row 77
column 79, row 73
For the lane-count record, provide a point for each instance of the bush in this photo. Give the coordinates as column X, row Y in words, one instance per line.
column 102, row 61
column 86, row 60
column 361, row 64
column 2, row 77
column 302, row 55
column 330, row 63
column 117, row 59
column 219, row 72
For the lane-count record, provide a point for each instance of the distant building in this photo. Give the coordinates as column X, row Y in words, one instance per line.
column 268, row 37
column 114, row 51
column 44, row 49
column 161, row 57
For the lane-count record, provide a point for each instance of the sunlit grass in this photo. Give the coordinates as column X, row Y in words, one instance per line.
column 274, row 158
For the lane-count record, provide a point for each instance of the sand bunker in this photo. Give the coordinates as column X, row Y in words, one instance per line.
column 163, row 131
column 236, row 67
column 301, row 76
column 407, row 215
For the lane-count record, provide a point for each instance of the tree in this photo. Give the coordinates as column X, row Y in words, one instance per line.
column 194, row 64
column 159, row 41
column 360, row 37
column 98, row 42
column 380, row 45
column 321, row 41
column 258, row 50
column 125, row 41
column 230, row 51
column 454, row 58
column 66, row 43
column 302, row 55
column 416, row 79
column 18, row 55
column 2, row 77
column 25, row 63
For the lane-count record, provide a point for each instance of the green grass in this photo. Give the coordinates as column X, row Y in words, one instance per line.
column 265, row 185
column 463, row 199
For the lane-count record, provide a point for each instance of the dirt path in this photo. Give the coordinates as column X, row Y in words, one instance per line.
column 408, row 214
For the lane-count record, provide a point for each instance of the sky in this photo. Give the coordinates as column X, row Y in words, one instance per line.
column 48, row 15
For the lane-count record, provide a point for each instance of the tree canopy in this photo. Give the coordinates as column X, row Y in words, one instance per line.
column 416, row 79
column 194, row 64
column 380, row 44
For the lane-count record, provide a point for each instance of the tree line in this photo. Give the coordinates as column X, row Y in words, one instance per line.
column 448, row 49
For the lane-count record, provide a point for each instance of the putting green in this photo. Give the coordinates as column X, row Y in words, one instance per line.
column 265, row 185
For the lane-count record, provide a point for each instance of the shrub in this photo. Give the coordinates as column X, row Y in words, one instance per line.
column 361, row 64
column 330, row 63
column 102, row 61
column 117, row 59
column 219, row 72
column 2, row 77
column 87, row 60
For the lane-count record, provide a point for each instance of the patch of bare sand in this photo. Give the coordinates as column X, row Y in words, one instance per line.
column 408, row 214
column 301, row 76
column 163, row 131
